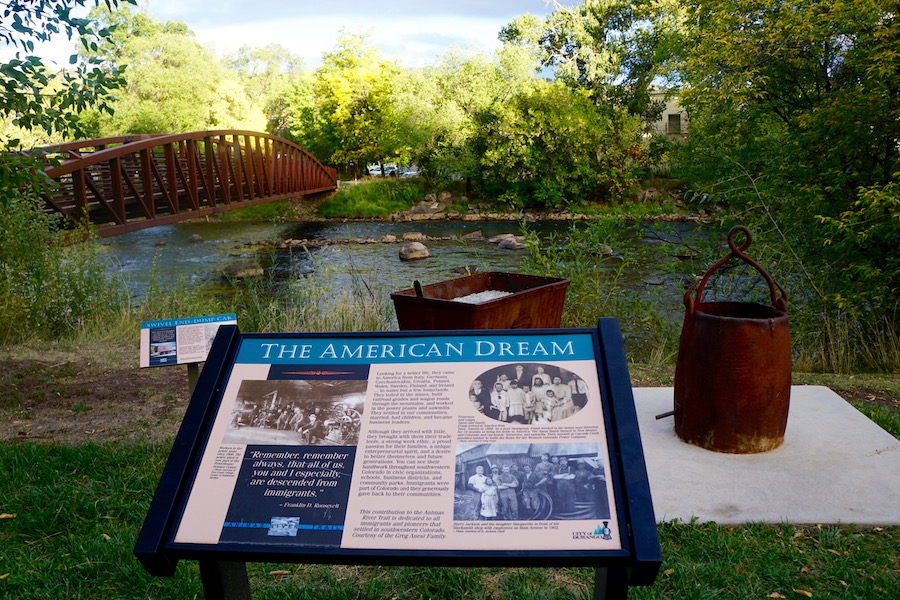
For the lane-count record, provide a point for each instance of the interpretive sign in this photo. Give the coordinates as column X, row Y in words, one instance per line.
column 180, row 341
column 517, row 447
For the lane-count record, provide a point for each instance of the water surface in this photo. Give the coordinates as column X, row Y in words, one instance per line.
column 169, row 253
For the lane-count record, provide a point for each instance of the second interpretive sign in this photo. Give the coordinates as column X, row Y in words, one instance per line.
column 180, row 341
column 439, row 442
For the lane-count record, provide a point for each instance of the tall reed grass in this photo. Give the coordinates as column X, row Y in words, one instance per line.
column 827, row 334
column 597, row 287
column 309, row 307
column 842, row 344
column 825, row 337
column 301, row 303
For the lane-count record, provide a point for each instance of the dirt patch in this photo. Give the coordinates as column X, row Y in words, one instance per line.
column 868, row 397
column 70, row 401
column 305, row 207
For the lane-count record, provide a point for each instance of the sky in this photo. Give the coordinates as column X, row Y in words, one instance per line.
column 414, row 32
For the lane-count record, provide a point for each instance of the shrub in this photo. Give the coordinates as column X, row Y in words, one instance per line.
column 48, row 287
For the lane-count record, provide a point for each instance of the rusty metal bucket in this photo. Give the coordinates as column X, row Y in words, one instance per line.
column 733, row 374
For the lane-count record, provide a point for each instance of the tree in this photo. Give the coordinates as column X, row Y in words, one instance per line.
column 269, row 73
column 439, row 109
column 173, row 85
column 513, row 135
column 261, row 67
column 538, row 153
column 34, row 98
column 615, row 49
column 306, row 122
column 353, row 90
column 46, row 288
column 800, row 98
column 32, row 95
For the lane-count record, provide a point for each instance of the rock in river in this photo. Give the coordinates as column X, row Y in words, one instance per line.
column 413, row 251
column 511, row 243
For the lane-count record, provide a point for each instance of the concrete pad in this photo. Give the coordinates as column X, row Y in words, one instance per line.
column 835, row 466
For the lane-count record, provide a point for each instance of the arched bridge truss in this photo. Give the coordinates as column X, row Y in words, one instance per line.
column 133, row 182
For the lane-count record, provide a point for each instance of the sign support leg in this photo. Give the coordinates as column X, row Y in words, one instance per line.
column 610, row 584
column 193, row 376
column 224, row 580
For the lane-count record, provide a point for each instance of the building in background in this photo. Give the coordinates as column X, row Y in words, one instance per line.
column 673, row 122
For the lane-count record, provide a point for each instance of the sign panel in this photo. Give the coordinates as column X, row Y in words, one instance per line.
column 180, row 341
column 487, row 441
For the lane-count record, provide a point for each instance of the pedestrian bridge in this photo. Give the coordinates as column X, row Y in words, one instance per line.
column 134, row 182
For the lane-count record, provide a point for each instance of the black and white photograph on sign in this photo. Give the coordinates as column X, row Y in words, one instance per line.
column 317, row 412
column 529, row 482
column 528, row 393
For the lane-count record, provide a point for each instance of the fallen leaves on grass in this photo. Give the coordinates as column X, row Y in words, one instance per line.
column 278, row 573
column 806, row 593
column 8, row 516
column 776, row 595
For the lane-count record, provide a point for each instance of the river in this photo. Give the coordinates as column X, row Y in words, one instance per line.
column 198, row 253
column 169, row 253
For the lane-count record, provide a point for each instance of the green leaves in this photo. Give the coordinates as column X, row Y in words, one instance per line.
column 540, row 155
column 612, row 48
column 32, row 95
column 793, row 107
column 173, row 84
column 353, row 91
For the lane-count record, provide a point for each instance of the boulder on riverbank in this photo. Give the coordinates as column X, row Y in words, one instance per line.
column 426, row 207
column 500, row 237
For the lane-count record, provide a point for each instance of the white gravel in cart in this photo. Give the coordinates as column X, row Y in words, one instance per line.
column 479, row 297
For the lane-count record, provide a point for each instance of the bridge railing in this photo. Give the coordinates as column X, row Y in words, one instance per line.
column 133, row 182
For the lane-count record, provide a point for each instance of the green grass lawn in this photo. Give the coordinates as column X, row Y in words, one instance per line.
column 71, row 516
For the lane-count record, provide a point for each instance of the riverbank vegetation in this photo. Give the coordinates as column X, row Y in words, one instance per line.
column 372, row 199
column 792, row 131
column 801, row 146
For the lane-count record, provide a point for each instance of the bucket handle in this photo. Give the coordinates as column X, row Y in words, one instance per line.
column 737, row 251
